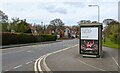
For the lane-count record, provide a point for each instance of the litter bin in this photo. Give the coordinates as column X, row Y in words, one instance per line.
column 90, row 43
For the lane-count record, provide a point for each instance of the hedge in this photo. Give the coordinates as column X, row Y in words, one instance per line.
column 22, row 38
column 48, row 38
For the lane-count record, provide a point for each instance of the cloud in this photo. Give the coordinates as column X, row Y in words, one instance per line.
column 60, row 10
column 32, row 1
column 69, row 12
column 75, row 4
column 53, row 7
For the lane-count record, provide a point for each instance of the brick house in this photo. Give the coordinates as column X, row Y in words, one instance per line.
column 66, row 32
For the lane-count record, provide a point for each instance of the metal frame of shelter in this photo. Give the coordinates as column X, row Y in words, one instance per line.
column 99, row 44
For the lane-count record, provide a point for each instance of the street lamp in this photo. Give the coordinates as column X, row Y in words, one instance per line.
column 42, row 28
column 98, row 10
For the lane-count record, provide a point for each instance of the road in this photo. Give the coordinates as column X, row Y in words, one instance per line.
column 23, row 58
column 70, row 60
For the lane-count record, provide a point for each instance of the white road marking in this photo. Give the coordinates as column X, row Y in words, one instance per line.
column 26, row 46
column 38, row 45
column 64, row 49
column 44, row 58
column 39, row 64
column 30, row 51
column 48, row 69
column 6, row 70
column 17, row 66
column 115, row 61
column 23, row 49
column 29, row 62
column 91, row 66
column 44, row 63
column 35, row 66
column 14, row 52
column 9, row 48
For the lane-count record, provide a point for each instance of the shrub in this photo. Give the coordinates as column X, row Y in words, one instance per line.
column 12, row 38
column 26, row 38
column 44, row 38
column 22, row 38
column 9, row 38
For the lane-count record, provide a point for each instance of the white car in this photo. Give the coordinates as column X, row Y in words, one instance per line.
column 58, row 36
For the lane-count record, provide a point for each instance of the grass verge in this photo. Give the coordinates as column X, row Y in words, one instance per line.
column 109, row 43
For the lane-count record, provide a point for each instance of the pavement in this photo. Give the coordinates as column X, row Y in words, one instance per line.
column 27, row 44
column 70, row 60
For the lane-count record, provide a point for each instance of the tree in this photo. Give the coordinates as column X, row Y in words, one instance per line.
column 56, row 25
column 112, row 30
column 108, row 21
column 88, row 21
column 4, row 21
column 14, row 23
column 20, row 26
column 84, row 22
column 3, row 17
column 94, row 22
column 23, row 27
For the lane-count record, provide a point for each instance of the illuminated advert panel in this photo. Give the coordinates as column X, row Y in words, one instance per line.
column 89, row 40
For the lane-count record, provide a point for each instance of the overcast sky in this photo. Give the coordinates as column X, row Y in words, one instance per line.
column 70, row 12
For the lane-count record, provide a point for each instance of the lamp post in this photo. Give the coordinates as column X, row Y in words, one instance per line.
column 42, row 27
column 98, row 10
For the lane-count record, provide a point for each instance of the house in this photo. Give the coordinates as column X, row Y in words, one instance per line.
column 66, row 32
column 69, row 32
column 33, row 29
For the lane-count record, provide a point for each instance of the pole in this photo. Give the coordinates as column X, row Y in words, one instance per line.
column 98, row 13
column 41, row 32
column 42, row 28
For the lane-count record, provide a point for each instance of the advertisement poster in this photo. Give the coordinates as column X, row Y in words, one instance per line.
column 89, row 40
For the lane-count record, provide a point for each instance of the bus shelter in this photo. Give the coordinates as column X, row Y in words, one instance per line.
column 91, row 40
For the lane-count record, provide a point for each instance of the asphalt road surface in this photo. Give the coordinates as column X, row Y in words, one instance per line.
column 23, row 58
column 70, row 60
